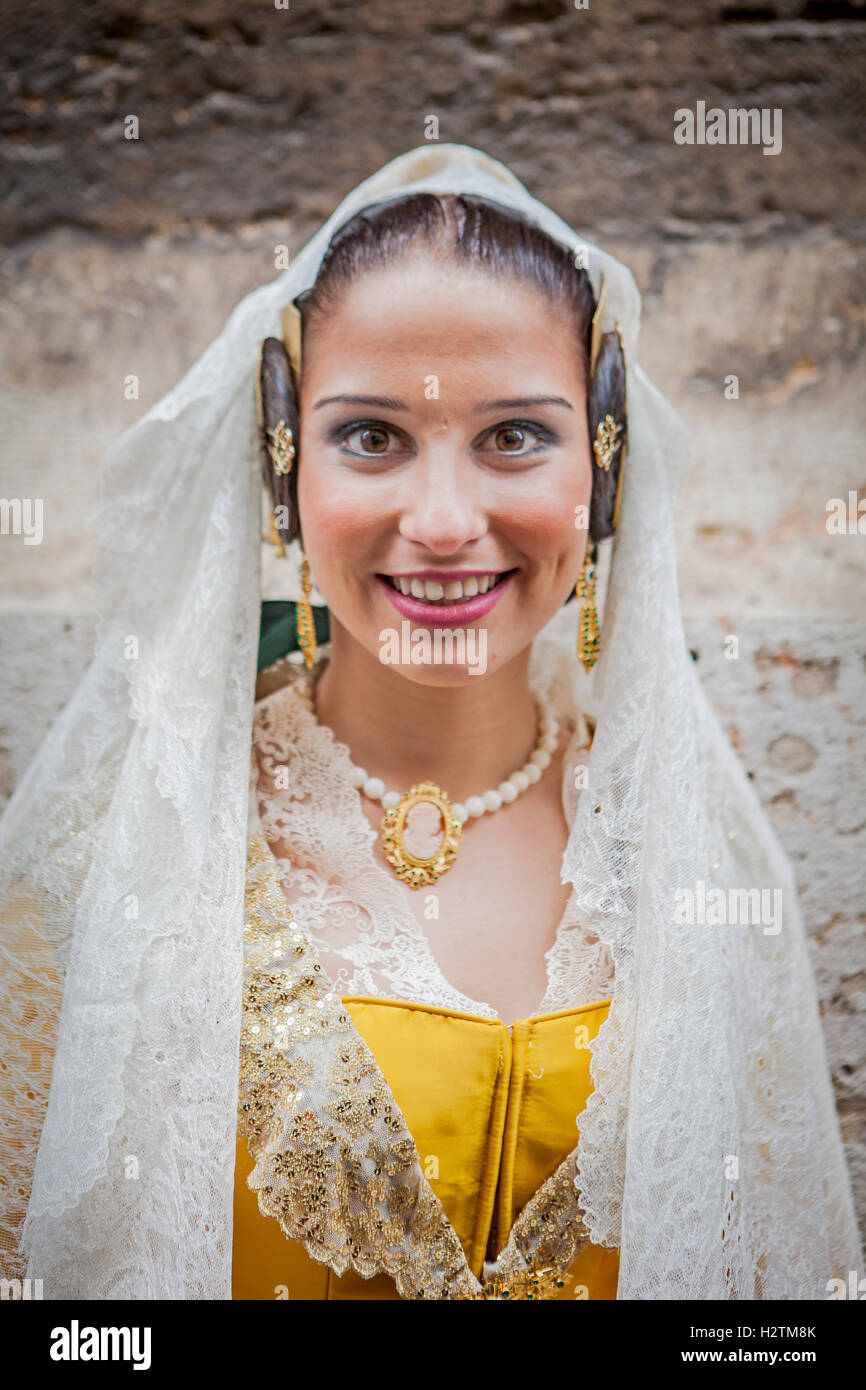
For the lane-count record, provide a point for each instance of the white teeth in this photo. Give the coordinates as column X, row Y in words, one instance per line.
column 433, row 591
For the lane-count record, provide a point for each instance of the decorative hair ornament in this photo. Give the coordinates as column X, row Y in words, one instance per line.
column 595, row 338
column 607, row 436
column 292, row 337
column 621, row 445
column 277, row 419
column 281, row 447
column 606, row 442
column 607, row 389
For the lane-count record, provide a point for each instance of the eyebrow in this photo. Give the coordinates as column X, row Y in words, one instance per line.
column 383, row 402
column 393, row 403
column 521, row 403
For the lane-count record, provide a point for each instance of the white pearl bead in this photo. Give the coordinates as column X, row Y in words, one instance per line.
column 476, row 806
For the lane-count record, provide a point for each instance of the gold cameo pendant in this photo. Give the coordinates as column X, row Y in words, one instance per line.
column 420, row 836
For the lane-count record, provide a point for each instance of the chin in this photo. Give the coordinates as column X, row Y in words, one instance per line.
column 453, row 677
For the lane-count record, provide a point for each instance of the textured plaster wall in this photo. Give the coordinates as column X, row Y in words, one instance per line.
column 124, row 258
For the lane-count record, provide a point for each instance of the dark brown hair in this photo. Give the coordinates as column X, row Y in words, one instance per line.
column 475, row 232
column 471, row 231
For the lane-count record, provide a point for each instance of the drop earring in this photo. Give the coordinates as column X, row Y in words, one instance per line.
column 274, row 537
column 305, row 625
column 587, row 628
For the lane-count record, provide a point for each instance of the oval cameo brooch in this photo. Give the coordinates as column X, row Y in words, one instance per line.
column 420, row 836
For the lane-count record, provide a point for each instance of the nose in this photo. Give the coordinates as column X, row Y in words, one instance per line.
column 443, row 506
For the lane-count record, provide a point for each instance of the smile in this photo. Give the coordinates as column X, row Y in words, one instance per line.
column 442, row 602
column 455, row 591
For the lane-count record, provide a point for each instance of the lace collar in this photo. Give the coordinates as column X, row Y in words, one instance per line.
column 355, row 915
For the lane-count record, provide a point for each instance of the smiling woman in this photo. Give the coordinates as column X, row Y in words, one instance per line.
column 432, row 910
column 446, row 315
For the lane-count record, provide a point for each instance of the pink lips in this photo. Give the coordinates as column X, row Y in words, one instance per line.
column 446, row 614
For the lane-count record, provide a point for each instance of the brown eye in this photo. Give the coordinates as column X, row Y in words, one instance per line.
column 509, row 439
column 374, row 440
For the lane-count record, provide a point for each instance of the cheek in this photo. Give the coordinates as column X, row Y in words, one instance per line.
column 549, row 522
column 339, row 524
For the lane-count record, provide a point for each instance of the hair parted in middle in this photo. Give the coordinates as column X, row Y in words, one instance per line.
column 464, row 230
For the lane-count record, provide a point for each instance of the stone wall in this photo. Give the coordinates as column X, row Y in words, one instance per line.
column 125, row 256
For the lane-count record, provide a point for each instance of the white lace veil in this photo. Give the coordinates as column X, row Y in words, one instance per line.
column 709, row 1151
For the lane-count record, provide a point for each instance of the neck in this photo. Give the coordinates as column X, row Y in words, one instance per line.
column 466, row 738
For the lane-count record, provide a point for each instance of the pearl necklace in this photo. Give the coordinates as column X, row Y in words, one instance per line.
column 421, row 829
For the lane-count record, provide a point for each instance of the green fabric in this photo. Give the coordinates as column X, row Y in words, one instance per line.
column 278, row 631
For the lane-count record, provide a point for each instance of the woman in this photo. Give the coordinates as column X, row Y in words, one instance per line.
column 395, row 1137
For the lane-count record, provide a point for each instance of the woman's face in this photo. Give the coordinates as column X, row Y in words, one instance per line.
column 443, row 443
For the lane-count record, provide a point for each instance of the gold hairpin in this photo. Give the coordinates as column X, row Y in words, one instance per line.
column 281, row 447
column 606, row 442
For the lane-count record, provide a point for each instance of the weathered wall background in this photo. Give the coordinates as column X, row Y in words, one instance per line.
column 124, row 257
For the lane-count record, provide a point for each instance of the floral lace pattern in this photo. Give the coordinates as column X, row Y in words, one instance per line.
column 354, row 913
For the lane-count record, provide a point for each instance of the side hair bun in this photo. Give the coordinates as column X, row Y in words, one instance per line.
column 277, row 400
column 607, row 398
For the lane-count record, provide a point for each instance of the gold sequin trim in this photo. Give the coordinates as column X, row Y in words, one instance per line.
column 335, row 1163
column 545, row 1241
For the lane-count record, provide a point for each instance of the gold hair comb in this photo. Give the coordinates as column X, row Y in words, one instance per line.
column 292, row 337
column 595, row 341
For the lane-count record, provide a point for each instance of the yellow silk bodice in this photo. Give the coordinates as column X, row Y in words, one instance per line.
column 493, row 1113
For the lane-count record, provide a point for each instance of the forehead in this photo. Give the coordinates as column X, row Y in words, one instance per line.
column 426, row 314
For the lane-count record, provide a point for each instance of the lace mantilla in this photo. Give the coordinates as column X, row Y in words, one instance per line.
column 354, row 913
column 335, row 1163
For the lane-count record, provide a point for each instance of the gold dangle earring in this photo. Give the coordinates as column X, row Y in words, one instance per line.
column 587, row 629
column 305, row 625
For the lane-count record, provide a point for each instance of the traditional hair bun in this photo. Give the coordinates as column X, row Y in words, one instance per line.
column 607, row 397
column 277, row 400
